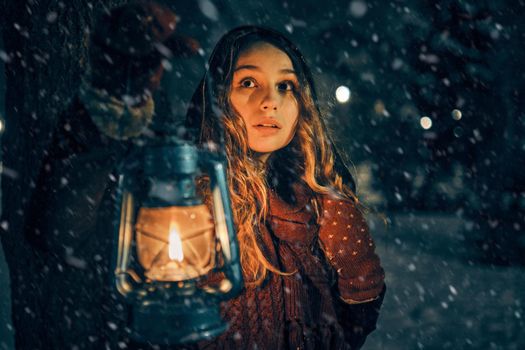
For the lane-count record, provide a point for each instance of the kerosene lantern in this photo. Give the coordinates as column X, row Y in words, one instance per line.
column 177, row 255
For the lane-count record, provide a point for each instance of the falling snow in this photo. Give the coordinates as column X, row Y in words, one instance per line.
column 425, row 98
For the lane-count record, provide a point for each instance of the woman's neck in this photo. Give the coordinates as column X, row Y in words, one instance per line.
column 262, row 157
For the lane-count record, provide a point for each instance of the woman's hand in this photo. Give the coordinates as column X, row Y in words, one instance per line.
column 349, row 248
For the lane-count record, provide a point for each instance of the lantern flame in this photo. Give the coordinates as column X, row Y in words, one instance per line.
column 175, row 246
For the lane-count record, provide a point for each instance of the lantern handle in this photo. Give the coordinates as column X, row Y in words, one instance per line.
column 125, row 280
column 214, row 164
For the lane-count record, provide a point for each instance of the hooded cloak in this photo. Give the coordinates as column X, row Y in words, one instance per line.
column 216, row 81
column 302, row 310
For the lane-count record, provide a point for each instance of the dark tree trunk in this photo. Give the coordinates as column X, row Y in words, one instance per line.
column 46, row 42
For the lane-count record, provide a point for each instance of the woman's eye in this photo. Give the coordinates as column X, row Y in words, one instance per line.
column 286, row 86
column 248, row 83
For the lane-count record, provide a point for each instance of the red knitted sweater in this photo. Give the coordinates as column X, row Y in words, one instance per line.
column 305, row 310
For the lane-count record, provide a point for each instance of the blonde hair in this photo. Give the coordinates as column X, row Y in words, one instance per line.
column 309, row 155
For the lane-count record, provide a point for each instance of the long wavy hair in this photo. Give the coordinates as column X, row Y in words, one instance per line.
column 310, row 160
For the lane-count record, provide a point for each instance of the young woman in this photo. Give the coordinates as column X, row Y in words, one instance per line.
column 312, row 278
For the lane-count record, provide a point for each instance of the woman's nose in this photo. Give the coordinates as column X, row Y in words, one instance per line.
column 269, row 100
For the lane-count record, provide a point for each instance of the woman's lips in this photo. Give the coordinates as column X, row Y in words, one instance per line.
column 266, row 130
column 267, row 126
column 267, row 121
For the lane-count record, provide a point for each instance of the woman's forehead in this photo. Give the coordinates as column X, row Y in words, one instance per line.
column 263, row 53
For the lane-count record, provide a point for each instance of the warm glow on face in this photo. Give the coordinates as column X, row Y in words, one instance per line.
column 175, row 246
column 263, row 94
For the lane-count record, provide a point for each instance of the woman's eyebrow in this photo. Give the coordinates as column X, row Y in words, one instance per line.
column 246, row 66
column 252, row 67
column 288, row 71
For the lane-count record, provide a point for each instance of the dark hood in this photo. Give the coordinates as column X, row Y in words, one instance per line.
column 203, row 105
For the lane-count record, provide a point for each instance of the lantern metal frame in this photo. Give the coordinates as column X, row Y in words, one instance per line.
column 178, row 312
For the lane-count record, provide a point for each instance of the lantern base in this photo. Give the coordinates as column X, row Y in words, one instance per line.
column 161, row 324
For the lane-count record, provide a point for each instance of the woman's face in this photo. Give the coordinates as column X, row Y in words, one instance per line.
column 262, row 93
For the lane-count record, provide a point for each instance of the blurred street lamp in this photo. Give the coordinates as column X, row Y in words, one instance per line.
column 342, row 94
column 425, row 122
column 456, row 114
column 174, row 259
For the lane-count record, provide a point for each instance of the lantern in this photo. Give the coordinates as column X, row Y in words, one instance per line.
column 176, row 256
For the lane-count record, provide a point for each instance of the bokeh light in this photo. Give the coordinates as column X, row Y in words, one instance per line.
column 342, row 94
column 456, row 114
column 425, row 122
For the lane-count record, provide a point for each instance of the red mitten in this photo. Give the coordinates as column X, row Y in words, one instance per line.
column 349, row 248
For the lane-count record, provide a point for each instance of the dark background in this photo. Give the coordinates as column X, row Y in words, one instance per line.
column 454, row 194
